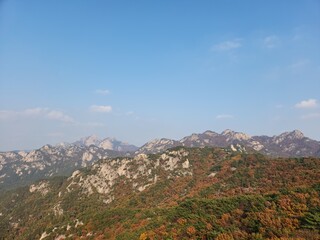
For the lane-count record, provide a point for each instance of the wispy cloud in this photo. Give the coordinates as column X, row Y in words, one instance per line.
column 129, row 113
column 5, row 115
column 59, row 116
column 297, row 37
column 227, row 45
column 310, row 103
column 271, row 41
column 311, row 116
column 36, row 112
column 95, row 124
column 299, row 65
column 102, row 91
column 101, row 108
column 224, row 116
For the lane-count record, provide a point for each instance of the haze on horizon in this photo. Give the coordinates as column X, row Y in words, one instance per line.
column 139, row 70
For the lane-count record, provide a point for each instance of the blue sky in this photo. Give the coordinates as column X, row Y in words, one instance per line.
column 139, row 70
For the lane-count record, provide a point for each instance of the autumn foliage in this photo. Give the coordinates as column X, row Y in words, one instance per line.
column 230, row 196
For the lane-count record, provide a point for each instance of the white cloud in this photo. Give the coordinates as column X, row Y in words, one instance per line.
column 102, row 91
column 310, row 103
column 271, row 41
column 227, row 45
column 36, row 112
column 60, row 116
column 224, row 116
column 101, row 109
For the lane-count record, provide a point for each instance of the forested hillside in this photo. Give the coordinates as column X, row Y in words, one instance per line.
column 182, row 193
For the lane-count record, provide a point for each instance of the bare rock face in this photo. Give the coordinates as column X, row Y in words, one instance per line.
column 88, row 141
column 157, row 145
column 42, row 187
column 139, row 172
column 231, row 135
column 106, row 144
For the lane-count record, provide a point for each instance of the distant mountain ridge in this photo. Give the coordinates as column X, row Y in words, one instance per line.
column 18, row 168
column 23, row 167
column 107, row 144
column 286, row 144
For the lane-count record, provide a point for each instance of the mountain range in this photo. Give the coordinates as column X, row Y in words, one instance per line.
column 286, row 144
column 18, row 168
column 180, row 193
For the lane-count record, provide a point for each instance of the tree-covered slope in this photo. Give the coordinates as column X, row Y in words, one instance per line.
column 183, row 193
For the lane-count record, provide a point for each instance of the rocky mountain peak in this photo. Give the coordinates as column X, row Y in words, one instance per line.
column 227, row 132
column 296, row 134
column 160, row 141
column 157, row 145
column 46, row 147
column 106, row 144
column 62, row 144
column 232, row 135
column 210, row 133
column 90, row 140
